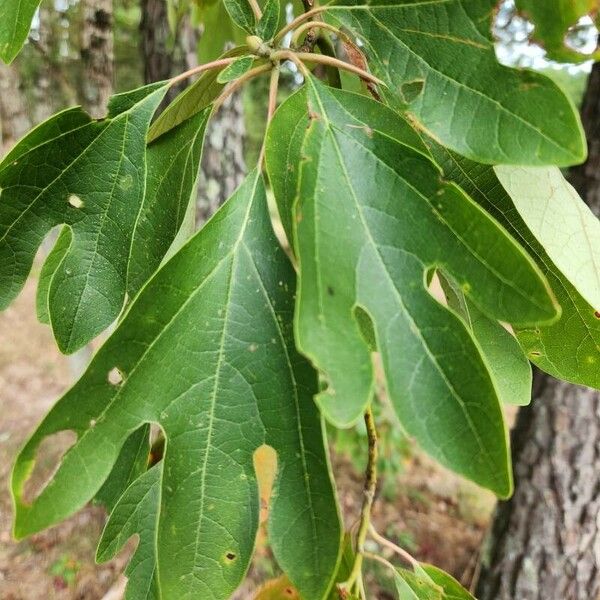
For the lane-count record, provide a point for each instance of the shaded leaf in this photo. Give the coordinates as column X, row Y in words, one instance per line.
column 241, row 14
column 15, row 19
column 236, row 69
column 192, row 100
column 277, row 589
column 90, row 176
column 173, row 164
column 568, row 348
column 438, row 62
column 373, row 214
column 135, row 514
column 552, row 20
column 206, row 351
column 452, row 590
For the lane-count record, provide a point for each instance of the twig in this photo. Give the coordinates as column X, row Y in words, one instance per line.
column 381, row 560
column 273, row 89
column 215, row 64
column 365, row 513
column 307, row 16
column 238, row 83
column 316, row 25
column 389, row 544
column 325, row 60
column 255, row 9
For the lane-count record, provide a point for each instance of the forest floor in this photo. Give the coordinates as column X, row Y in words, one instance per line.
column 435, row 515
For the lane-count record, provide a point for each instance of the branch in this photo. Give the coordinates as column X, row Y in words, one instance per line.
column 389, row 544
column 365, row 513
column 215, row 64
column 307, row 16
column 273, row 89
column 238, row 83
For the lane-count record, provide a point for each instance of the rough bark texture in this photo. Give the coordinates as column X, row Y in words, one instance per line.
column 223, row 166
column 545, row 541
column 97, row 47
column 14, row 121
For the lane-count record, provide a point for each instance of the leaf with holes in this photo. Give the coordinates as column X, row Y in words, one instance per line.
column 438, row 62
column 90, row 176
column 16, row 20
column 372, row 217
column 552, row 20
column 570, row 347
column 206, row 351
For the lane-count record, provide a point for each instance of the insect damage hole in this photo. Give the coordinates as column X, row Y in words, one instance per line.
column 230, row 556
column 75, row 201
column 115, row 377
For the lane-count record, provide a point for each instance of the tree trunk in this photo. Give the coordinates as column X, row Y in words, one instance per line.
column 545, row 541
column 223, row 166
column 97, row 48
column 14, row 121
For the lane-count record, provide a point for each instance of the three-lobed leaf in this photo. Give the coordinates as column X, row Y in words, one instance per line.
column 371, row 217
column 90, row 176
column 206, row 351
column 439, row 64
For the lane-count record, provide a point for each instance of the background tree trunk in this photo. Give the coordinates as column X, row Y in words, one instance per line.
column 545, row 541
column 97, row 48
column 223, row 167
column 14, row 120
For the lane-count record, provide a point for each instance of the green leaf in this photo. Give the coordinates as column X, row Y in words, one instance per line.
column 552, row 20
column 269, row 24
column 568, row 348
column 15, row 22
column 452, row 590
column 412, row 586
column 427, row 582
column 236, row 69
column 560, row 221
column 438, row 62
column 192, row 100
column 90, row 176
column 131, row 463
column 506, row 361
column 221, row 30
column 372, row 218
column 135, row 514
column 241, row 14
column 206, row 351
column 173, row 163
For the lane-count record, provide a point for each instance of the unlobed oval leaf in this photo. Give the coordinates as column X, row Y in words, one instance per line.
column 206, row 351
column 438, row 61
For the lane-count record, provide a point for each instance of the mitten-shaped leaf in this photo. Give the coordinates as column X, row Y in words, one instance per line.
column 438, row 62
column 570, row 347
column 206, row 351
column 89, row 175
column 372, row 217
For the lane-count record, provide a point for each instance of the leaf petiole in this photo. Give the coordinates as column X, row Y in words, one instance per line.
column 215, row 64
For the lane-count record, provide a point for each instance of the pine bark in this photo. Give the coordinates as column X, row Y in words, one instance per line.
column 545, row 541
column 97, row 50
